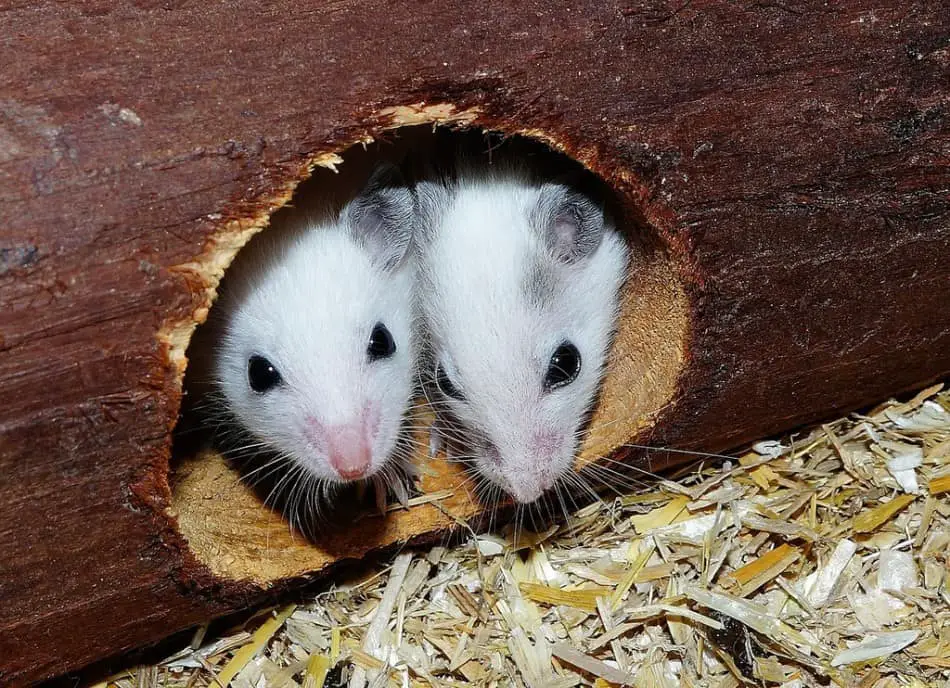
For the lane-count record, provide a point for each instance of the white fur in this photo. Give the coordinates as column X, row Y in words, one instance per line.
column 307, row 299
column 496, row 343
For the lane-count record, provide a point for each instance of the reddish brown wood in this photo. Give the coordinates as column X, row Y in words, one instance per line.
column 795, row 157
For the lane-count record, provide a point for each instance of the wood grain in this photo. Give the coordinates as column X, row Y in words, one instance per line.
column 790, row 158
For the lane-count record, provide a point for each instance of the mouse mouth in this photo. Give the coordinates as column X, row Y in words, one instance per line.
column 226, row 527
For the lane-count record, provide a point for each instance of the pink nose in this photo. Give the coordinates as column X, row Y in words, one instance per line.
column 349, row 452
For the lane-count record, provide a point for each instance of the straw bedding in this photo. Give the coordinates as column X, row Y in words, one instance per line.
column 819, row 558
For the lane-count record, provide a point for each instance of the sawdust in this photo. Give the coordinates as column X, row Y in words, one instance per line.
column 817, row 559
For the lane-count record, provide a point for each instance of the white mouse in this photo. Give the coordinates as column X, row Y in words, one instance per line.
column 315, row 353
column 519, row 287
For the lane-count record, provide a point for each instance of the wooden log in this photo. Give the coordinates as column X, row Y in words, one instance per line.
column 787, row 161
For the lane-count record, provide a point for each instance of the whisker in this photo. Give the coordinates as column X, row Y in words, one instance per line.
column 687, row 452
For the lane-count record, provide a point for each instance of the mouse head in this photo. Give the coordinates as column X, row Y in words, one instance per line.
column 317, row 355
column 520, row 290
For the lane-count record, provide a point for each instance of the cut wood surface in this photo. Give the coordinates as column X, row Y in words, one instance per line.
column 789, row 159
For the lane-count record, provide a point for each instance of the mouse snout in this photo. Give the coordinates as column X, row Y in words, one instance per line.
column 534, row 469
column 529, row 486
column 492, row 454
column 546, row 444
column 349, row 451
column 529, row 480
column 525, row 493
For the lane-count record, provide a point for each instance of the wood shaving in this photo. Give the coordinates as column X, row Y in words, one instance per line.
column 819, row 558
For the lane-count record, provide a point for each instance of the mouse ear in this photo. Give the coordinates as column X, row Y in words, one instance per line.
column 570, row 223
column 381, row 218
column 431, row 199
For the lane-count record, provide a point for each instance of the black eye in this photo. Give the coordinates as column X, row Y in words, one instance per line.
column 261, row 374
column 445, row 385
column 564, row 366
column 381, row 343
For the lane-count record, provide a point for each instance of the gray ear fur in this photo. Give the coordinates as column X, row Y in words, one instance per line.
column 382, row 217
column 431, row 198
column 570, row 223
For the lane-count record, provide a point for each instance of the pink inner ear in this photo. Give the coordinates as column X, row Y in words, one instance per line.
column 564, row 233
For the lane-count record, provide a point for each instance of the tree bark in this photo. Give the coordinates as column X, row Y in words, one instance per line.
column 790, row 160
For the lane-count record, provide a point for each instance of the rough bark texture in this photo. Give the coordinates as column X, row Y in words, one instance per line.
column 794, row 157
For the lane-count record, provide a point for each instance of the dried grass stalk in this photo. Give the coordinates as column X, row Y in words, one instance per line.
column 817, row 559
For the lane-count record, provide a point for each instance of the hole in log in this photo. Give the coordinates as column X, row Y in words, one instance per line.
column 225, row 523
